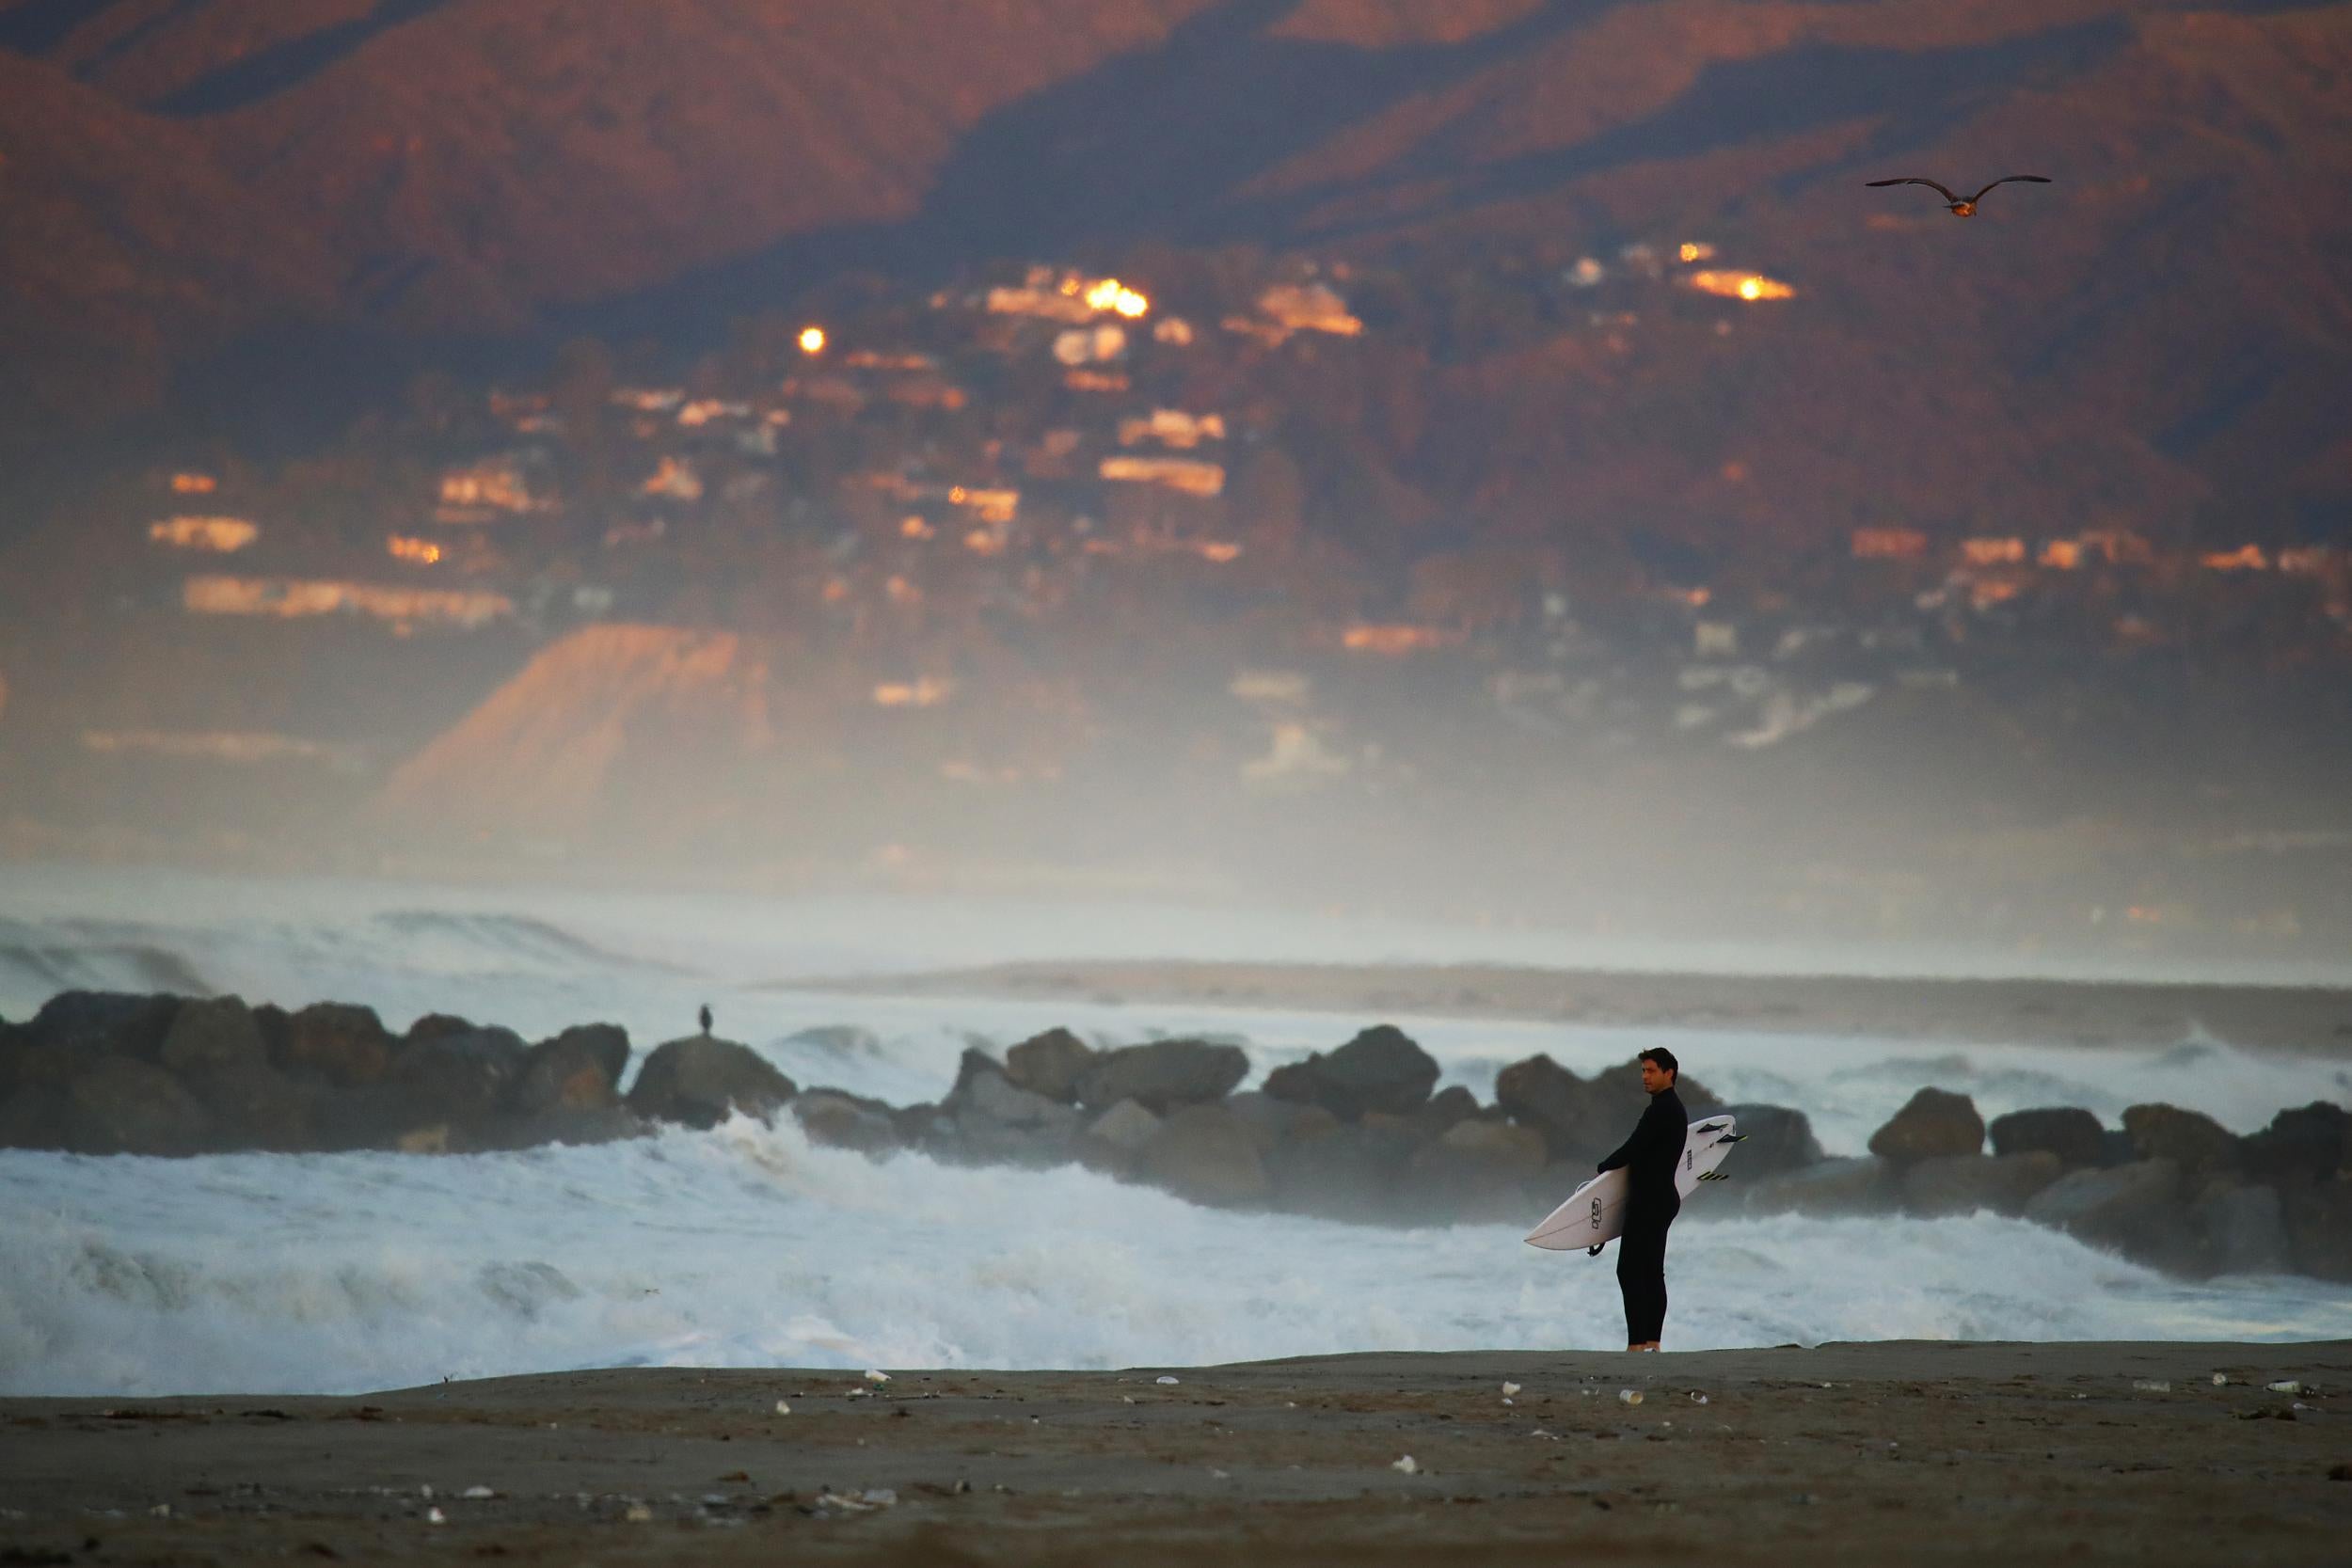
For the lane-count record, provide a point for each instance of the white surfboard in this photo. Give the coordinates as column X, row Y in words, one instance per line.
column 1594, row 1212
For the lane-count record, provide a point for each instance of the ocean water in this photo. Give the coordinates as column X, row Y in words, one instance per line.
column 746, row 1246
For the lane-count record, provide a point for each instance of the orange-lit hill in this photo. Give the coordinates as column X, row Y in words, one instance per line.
column 614, row 729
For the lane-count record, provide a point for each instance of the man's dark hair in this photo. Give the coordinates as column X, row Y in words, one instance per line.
column 1663, row 1057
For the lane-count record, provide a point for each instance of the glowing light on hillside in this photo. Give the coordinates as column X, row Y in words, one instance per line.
column 1393, row 639
column 2245, row 557
column 220, row 535
column 812, row 339
column 1740, row 285
column 1219, row 551
column 1696, row 250
column 915, row 527
column 194, row 485
column 924, row 692
column 1111, row 295
column 424, row 552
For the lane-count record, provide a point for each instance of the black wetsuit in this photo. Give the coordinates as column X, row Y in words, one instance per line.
column 1648, row 1158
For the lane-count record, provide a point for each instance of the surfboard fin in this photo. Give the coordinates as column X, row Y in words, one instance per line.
column 1713, row 1127
column 1733, row 1139
column 1594, row 1251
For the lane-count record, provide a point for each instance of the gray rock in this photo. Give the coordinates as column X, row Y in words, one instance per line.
column 33, row 1117
column 460, row 1077
column 1205, row 1154
column 213, row 1035
column 1476, row 1171
column 2129, row 1207
column 1965, row 1184
column 2304, row 1145
column 254, row 1106
column 1453, row 1103
column 120, row 1106
column 2242, row 1228
column 1933, row 1122
column 2319, row 1227
column 994, row 1097
column 843, row 1121
column 1269, row 1119
column 2069, row 1132
column 1341, row 1170
column 1583, row 1118
column 1380, row 1070
column 1827, row 1187
column 1163, row 1075
column 1050, row 1063
column 338, row 1042
column 1125, row 1127
column 577, row 1070
column 1772, row 1139
column 95, row 1022
column 2191, row 1139
column 700, row 1081
column 601, row 1125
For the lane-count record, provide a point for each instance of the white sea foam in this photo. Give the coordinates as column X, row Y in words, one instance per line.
column 746, row 1247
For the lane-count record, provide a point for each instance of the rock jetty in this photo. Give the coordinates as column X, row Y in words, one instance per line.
column 1360, row 1132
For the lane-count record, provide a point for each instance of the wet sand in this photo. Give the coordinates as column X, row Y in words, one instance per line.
column 2027, row 1012
column 1890, row 1452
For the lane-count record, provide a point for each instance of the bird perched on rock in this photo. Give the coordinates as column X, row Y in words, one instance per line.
column 704, row 1016
column 1962, row 206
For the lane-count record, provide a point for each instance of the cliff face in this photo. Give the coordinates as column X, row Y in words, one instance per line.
column 613, row 728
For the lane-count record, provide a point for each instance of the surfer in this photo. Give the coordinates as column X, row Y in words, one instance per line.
column 1648, row 1158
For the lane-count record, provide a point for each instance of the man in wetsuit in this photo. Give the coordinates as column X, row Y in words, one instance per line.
column 1648, row 1158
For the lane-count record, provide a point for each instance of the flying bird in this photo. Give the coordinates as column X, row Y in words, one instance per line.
column 1963, row 206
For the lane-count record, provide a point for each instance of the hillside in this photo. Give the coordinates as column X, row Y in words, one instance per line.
column 2161, row 332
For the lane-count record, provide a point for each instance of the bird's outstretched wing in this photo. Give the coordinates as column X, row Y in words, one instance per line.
column 2005, row 179
column 1910, row 179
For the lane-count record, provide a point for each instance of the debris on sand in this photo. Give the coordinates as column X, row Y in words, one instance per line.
column 1406, row 1465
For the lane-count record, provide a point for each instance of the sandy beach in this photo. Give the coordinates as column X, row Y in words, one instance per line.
column 2055, row 1012
column 1896, row 1451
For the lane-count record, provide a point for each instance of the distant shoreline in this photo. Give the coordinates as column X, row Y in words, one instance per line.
column 1896, row 1451
column 2307, row 1020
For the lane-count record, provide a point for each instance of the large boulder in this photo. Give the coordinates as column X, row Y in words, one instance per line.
column 1269, row 1119
column 2319, row 1227
column 1453, row 1103
column 1772, row 1139
column 1933, row 1122
column 1205, row 1154
column 2132, row 1208
column 1123, row 1130
column 33, row 1117
column 1965, row 1184
column 97, row 1022
column 846, row 1120
column 121, row 1105
column 213, row 1035
column 1583, row 1118
column 338, row 1042
column 1340, row 1170
column 254, row 1106
column 2310, row 1143
column 2240, row 1228
column 1541, row 1094
column 2190, row 1139
column 458, row 1077
column 1380, row 1070
column 1050, row 1063
column 701, row 1080
column 1163, row 1075
column 2069, row 1132
column 1860, row 1186
column 1473, row 1170
column 577, row 1070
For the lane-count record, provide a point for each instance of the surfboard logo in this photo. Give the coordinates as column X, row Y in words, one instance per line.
column 1595, row 1214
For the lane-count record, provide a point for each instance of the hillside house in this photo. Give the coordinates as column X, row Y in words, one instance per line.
column 1290, row 308
column 1986, row 551
column 511, row 483
column 1171, row 427
column 1187, row 475
column 1887, row 544
column 215, row 535
column 290, row 598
